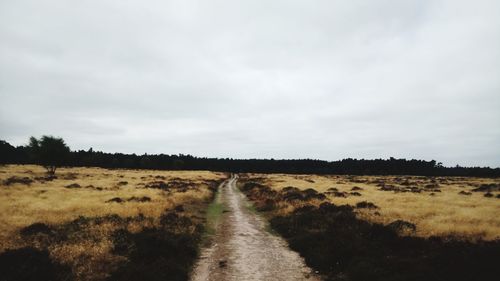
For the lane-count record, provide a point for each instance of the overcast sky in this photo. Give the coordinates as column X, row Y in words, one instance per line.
column 283, row 79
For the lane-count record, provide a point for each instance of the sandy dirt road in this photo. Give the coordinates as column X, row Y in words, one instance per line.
column 242, row 249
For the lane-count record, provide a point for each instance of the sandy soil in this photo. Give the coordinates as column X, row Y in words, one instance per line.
column 242, row 248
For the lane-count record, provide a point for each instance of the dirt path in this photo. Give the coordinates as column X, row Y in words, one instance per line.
column 242, row 249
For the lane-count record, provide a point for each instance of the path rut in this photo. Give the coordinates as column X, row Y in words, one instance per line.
column 242, row 248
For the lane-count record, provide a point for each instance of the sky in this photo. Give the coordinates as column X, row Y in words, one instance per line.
column 256, row 79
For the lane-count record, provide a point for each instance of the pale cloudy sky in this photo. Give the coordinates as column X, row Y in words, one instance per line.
column 284, row 79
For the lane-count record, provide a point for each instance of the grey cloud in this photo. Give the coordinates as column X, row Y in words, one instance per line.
column 282, row 79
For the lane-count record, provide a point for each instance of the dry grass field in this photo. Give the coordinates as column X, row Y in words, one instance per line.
column 384, row 228
column 439, row 206
column 115, row 224
column 86, row 206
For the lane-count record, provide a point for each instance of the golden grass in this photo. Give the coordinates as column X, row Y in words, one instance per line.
column 52, row 203
column 444, row 213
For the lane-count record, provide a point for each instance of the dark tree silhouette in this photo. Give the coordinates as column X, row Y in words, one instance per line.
column 49, row 151
column 58, row 151
column 7, row 151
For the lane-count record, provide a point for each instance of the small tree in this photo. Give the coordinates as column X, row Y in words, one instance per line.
column 48, row 151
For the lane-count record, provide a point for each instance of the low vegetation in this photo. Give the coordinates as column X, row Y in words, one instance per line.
column 349, row 237
column 99, row 224
column 438, row 206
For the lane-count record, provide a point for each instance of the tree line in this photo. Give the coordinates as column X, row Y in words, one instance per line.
column 52, row 152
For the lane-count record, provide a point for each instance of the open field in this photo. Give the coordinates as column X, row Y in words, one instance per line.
column 384, row 228
column 102, row 224
column 438, row 206
column 81, row 217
